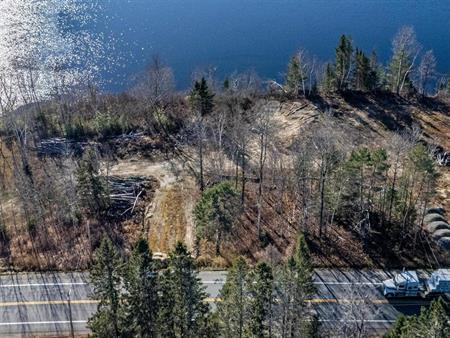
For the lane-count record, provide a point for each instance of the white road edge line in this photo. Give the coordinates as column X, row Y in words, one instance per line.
column 44, row 323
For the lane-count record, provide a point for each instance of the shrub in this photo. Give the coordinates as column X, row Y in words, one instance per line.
column 108, row 125
column 78, row 130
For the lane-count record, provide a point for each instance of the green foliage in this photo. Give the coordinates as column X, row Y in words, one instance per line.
column 433, row 322
column 344, row 62
column 141, row 285
column 232, row 310
column 183, row 312
column 294, row 76
column 163, row 120
column 201, row 99
column 47, row 124
column 260, row 307
column 108, row 125
column 216, row 211
column 78, row 130
column 293, row 287
column 365, row 77
column 138, row 299
column 91, row 187
column 367, row 173
column 102, row 125
column 105, row 278
column 329, row 79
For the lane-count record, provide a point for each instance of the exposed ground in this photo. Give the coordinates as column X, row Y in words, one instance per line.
column 165, row 215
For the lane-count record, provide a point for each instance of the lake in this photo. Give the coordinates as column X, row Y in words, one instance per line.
column 258, row 34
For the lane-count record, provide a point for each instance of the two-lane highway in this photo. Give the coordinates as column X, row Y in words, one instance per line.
column 33, row 304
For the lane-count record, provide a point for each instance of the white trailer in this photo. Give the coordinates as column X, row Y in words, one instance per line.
column 408, row 284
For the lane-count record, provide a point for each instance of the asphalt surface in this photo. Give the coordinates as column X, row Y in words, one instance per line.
column 33, row 304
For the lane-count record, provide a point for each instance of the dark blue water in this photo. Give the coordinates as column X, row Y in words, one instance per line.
column 258, row 34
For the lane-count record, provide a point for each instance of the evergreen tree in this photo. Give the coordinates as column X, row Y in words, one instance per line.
column 329, row 79
column 433, row 322
column 293, row 76
column 106, row 281
column 399, row 329
column 141, row 284
column 232, row 309
column 183, row 310
column 261, row 301
column 293, row 287
column 202, row 102
column 91, row 189
column 344, row 58
column 234, row 300
column 201, row 98
column 216, row 211
column 378, row 73
column 362, row 73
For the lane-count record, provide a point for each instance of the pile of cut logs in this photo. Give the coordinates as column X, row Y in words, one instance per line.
column 60, row 147
column 125, row 192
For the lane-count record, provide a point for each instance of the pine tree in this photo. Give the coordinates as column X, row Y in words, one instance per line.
column 431, row 323
column 293, row 76
column 435, row 321
column 329, row 79
column 201, row 98
column 106, row 281
column 362, row 72
column 216, row 211
column 293, row 287
column 91, row 188
column 232, row 309
column 141, row 284
column 202, row 102
column 261, row 301
column 183, row 310
column 343, row 66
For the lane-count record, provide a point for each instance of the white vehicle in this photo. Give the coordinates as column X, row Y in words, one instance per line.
column 408, row 284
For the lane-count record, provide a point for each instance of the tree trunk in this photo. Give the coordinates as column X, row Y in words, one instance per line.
column 202, row 182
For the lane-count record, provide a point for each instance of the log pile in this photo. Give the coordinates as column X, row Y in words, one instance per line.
column 125, row 193
column 60, row 147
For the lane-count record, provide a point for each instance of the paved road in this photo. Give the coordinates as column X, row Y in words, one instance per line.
column 33, row 304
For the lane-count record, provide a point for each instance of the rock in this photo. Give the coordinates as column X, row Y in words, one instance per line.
column 433, row 218
column 441, row 233
column 438, row 225
column 444, row 243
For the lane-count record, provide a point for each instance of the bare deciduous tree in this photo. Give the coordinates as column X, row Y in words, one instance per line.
column 426, row 72
column 156, row 83
column 264, row 127
column 405, row 50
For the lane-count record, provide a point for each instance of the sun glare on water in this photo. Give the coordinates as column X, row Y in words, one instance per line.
column 46, row 49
